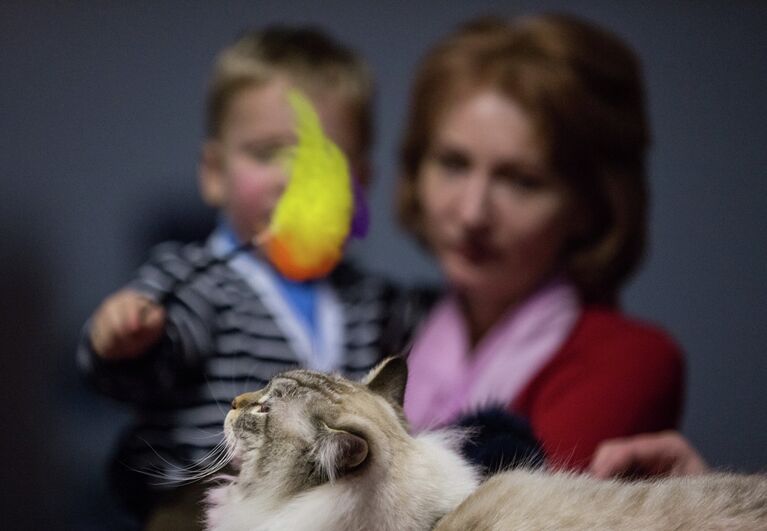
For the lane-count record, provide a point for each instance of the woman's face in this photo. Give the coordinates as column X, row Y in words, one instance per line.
column 495, row 216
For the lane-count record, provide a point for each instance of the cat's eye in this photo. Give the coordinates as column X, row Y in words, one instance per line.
column 263, row 407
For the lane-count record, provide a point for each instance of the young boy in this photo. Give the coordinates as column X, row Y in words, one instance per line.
column 189, row 334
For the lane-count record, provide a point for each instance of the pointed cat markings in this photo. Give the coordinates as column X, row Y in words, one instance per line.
column 319, row 452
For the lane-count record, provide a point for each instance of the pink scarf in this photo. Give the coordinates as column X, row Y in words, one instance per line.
column 446, row 379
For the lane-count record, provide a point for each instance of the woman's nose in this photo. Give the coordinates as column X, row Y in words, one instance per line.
column 474, row 201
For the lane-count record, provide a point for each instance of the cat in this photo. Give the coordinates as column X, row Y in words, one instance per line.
column 318, row 452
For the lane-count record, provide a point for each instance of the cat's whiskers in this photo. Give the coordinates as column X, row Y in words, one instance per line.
column 213, row 461
column 208, row 434
column 213, row 395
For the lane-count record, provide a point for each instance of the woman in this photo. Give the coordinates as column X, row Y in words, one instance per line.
column 524, row 174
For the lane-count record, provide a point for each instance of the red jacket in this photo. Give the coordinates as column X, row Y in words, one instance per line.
column 613, row 377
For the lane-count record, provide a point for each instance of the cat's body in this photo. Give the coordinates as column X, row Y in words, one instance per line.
column 533, row 500
column 318, row 452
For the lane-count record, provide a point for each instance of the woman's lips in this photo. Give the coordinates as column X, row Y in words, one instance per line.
column 476, row 252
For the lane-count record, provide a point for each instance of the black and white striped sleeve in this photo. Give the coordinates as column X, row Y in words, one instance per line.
column 175, row 360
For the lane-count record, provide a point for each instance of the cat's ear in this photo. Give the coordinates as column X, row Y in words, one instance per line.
column 388, row 379
column 338, row 452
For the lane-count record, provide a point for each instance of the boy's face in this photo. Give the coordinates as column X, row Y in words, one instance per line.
column 242, row 172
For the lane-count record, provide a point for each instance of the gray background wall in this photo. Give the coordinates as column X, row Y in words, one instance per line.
column 100, row 125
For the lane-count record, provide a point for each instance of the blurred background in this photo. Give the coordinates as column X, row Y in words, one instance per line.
column 101, row 122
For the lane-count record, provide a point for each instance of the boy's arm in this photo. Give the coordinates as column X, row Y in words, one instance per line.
column 126, row 325
column 141, row 380
column 174, row 357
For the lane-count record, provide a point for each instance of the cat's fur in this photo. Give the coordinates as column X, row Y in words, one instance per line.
column 330, row 454
column 527, row 500
column 318, row 452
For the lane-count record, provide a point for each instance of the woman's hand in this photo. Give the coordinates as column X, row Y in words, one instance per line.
column 665, row 453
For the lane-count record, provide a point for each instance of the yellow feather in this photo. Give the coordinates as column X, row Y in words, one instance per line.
column 312, row 219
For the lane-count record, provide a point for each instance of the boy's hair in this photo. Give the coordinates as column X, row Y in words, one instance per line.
column 307, row 56
column 582, row 89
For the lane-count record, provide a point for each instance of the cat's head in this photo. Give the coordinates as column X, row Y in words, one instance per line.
column 307, row 428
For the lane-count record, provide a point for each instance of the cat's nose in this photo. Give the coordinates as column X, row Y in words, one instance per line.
column 239, row 402
column 244, row 400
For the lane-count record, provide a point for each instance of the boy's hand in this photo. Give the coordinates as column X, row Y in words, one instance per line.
column 653, row 454
column 125, row 325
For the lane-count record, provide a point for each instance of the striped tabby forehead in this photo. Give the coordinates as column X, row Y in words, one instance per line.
column 332, row 387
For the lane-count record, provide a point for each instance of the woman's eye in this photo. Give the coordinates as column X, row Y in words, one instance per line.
column 452, row 163
column 522, row 181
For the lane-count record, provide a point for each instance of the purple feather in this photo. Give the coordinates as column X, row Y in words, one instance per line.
column 361, row 215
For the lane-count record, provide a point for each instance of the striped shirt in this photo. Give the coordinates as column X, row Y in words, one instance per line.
column 223, row 339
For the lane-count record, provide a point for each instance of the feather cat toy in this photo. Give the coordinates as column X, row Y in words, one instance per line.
column 312, row 220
